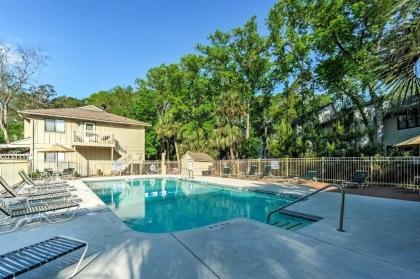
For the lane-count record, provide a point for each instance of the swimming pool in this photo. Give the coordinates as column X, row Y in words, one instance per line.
column 166, row 205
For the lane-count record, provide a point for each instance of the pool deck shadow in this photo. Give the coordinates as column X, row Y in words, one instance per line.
column 380, row 241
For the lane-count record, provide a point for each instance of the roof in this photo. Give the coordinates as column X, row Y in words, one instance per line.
column 200, row 157
column 410, row 142
column 57, row 148
column 22, row 143
column 90, row 112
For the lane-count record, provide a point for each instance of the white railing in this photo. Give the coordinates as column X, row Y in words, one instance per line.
column 118, row 147
column 173, row 167
column 11, row 156
column 86, row 136
column 383, row 171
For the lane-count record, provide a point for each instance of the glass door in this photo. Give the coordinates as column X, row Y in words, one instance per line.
column 90, row 135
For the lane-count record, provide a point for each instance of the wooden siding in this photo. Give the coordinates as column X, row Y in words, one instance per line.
column 9, row 170
column 198, row 167
column 89, row 159
column 393, row 136
column 27, row 130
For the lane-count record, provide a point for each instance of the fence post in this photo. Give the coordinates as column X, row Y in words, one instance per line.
column 287, row 167
column 323, row 168
column 259, row 166
column 371, row 170
column 220, row 168
column 237, row 169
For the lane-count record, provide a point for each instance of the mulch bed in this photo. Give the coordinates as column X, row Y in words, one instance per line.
column 378, row 191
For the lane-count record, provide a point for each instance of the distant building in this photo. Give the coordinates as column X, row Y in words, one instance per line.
column 87, row 139
column 199, row 163
column 398, row 126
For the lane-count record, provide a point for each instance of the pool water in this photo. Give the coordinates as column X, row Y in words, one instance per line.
column 167, row 205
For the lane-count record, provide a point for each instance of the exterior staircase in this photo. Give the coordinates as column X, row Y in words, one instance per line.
column 127, row 158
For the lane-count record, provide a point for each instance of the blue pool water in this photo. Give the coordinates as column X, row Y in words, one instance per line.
column 166, row 205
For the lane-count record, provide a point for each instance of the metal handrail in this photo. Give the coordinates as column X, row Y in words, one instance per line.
column 340, row 225
column 91, row 136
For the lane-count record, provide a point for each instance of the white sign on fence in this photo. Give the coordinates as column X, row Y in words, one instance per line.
column 274, row 165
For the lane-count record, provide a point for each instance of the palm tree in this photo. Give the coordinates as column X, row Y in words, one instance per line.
column 167, row 130
column 399, row 54
column 229, row 113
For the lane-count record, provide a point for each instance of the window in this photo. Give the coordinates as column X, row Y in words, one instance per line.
column 54, row 157
column 402, row 121
column 49, row 157
column 408, row 119
column 411, row 120
column 54, row 125
column 49, row 125
column 90, row 126
column 59, row 126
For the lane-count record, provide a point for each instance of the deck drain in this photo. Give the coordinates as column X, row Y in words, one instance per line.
column 218, row 226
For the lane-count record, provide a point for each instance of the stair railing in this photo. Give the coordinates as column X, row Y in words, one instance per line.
column 341, row 219
column 119, row 148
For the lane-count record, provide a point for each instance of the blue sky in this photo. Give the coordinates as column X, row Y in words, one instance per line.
column 94, row 45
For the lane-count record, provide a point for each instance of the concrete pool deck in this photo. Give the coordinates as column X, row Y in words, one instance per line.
column 380, row 241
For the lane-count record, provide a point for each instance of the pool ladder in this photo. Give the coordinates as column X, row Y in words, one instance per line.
column 341, row 220
column 189, row 174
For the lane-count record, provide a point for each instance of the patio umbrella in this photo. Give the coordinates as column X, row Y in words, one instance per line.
column 56, row 148
column 415, row 141
column 410, row 142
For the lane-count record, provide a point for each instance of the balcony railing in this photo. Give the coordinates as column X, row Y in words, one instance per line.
column 12, row 156
column 92, row 137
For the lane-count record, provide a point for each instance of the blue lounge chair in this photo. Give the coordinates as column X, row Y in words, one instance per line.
column 359, row 179
column 252, row 171
column 19, row 210
column 267, row 172
column 309, row 176
column 30, row 257
column 227, row 171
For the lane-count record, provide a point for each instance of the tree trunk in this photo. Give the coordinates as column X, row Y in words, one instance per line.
column 379, row 118
column 232, row 158
column 167, row 148
column 248, row 125
column 5, row 133
column 360, row 107
column 264, row 142
column 379, row 124
column 3, row 126
column 176, row 151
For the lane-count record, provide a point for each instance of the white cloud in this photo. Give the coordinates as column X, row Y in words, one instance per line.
column 12, row 55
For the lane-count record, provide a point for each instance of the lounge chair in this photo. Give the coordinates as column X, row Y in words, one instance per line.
column 227, row 171
column 29, row 181
column 309, row 176
column 37, row 196
column 68, row 173
column 26, row 188
column 416, row 183
column 30, row 257
column 267, row 173
column 359, row 179
column 252, row 173
column 18, row 211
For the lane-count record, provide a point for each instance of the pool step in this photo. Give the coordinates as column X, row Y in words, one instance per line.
column 291, row 220
column 288, row 225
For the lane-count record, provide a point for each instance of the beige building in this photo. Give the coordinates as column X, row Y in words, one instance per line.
column 197, row 162
column 87, row 139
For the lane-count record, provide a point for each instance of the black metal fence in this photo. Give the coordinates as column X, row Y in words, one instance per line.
column 383, row 171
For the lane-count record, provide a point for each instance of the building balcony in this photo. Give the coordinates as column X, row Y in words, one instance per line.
column 93, row 138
